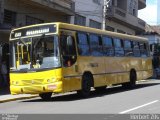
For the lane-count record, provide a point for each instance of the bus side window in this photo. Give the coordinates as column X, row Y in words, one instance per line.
column 119, row 50
column 143, row 49
column 108, row 48
column 128, row 48
column 83, row 44
column 148, row 49
column 136, row 49
column 95, row 45
column 68, row 50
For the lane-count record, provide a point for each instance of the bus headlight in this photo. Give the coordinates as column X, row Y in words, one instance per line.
column 48, row 81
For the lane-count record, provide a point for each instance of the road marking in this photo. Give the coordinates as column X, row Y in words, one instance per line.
column 126, row 111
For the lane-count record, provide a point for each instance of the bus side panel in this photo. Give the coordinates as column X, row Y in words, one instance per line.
column 98, row 70
column 147, row 66
column 94, row 65
column 136, row 64
column 71, row 84
column 72, row 79
column 116, row 69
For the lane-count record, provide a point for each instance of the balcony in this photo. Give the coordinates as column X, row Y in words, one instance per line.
column 60, row 6
column 122, row 17
column 141, row 4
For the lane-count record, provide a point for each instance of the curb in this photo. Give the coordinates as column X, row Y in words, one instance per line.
column 18, row 98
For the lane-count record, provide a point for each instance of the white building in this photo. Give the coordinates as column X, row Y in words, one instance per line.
column 153, row 35
column 88, row 13
column 121, row 15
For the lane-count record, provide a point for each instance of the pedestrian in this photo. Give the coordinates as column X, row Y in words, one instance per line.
column 4, row 73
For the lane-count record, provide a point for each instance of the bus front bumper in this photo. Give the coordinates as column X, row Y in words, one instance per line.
column 36, row 89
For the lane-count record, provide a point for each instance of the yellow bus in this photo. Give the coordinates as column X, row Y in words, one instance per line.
column 59, row 57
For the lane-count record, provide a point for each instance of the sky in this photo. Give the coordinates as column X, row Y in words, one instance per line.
column 149, row 14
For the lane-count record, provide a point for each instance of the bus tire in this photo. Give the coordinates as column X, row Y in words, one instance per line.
column 133, row 78
column 46, row 96
column 86, row 86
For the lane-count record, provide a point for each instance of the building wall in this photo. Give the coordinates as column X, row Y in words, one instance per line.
column 130, row 23
column 90, row 9
column 123, row 17
column 120, row 27
column 22, row 10
column 153, row 38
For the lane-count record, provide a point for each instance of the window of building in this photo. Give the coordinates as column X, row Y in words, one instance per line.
column 94, row 24
column 95, row 45
column 9, row 17
column 32, row 20
column 80, row 20
column 97, row 2
column 118, row 44
column 108, row 48
column 133, row 7
column 122, row 4
column 83, row 44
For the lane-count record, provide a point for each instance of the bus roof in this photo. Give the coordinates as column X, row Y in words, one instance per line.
column 99, row 31
column 87, row 29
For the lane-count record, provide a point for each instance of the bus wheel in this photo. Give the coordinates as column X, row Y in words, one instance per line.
column 45, row 96
column 100, row 89
column 86, row 86
column 132, row 83
column 133, row 78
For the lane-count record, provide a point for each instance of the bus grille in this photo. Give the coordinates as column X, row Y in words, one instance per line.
column 32, row 82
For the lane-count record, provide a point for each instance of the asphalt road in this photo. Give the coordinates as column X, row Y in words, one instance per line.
column 145, row 98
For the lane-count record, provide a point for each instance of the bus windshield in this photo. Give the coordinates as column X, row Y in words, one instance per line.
column 35, row 53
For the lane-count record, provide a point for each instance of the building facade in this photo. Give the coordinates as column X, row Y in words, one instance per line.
column 122, row 16
column 88, row 13
column 152, row 33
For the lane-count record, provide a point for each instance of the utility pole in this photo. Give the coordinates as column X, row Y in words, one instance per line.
column 106, row 5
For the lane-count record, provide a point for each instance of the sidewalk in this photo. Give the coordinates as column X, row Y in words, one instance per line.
column 5, row 96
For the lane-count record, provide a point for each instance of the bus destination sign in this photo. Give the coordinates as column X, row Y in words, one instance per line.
column 33, row 31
